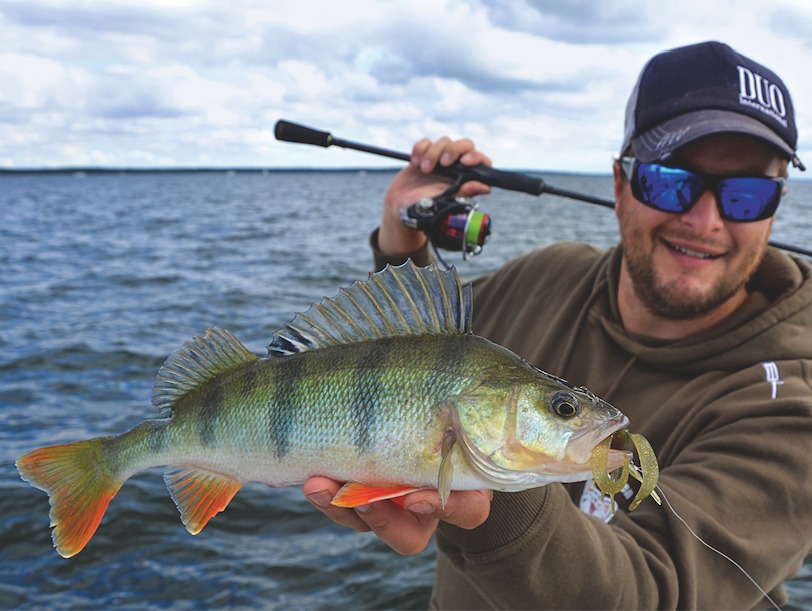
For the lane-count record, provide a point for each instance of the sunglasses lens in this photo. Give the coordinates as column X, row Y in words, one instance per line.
column 749, row 199
column 667, row 189
column 675, row 190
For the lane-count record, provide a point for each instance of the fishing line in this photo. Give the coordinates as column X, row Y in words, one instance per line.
column 713, row 549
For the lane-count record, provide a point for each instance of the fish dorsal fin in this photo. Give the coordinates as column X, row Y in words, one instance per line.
column 395, row 302
column 196, row 362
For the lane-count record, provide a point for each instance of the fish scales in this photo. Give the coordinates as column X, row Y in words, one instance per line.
column 317, row 422
column 383, row 386
column 346, row 402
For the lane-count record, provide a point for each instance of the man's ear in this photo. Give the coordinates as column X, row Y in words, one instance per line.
column 619, row 183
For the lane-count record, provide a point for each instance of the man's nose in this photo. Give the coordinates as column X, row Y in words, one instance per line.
column 704, row 216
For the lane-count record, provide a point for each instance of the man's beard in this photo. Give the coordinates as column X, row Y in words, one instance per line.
column 666, row 301
column 670, row 301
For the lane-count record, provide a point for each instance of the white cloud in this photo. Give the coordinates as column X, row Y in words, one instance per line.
column 537, row 83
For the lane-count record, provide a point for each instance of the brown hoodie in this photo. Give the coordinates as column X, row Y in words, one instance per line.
column 728, row 413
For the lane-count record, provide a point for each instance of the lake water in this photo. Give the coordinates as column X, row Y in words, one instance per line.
column 104, row 275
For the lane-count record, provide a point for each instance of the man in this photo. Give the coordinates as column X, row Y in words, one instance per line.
column 697, row 330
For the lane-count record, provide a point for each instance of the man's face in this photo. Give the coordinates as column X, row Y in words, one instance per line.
column 685, row 266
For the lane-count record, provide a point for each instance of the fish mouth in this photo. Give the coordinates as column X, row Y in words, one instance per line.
column 582, row 444
column 522, row 469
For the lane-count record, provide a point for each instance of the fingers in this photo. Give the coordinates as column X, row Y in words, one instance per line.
column 405, row 532
column 465, row 508
column 416, row 181
column 320, row 492
column 427, row 154
column 407, row 529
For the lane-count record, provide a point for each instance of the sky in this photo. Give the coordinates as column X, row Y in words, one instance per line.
column 537, row 84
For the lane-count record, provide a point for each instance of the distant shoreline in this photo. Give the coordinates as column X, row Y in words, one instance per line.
column 91, row 171
column 181, row 170
column 240, row 170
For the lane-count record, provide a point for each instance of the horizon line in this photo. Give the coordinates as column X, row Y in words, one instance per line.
column 79, row 169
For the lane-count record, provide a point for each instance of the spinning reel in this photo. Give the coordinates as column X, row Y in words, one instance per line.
column 449, row 222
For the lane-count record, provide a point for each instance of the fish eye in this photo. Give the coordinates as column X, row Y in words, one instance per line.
column 564, row 404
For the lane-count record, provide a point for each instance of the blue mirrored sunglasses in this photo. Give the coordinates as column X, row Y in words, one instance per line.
column 741, row 199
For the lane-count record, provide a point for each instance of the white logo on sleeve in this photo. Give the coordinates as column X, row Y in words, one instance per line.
column 773, row 377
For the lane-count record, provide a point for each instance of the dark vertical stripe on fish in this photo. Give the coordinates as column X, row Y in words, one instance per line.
column 212, row 405
column 284, row 399
column 156, row 436
column 366, row 392
column 250, row 379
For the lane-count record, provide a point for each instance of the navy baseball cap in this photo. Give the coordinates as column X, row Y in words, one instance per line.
column 700, row 90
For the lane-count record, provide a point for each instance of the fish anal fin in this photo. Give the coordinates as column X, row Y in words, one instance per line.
column 199, row 494
column 354, row 494
column 399, row 501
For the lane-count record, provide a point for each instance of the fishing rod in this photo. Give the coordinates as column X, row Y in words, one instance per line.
column 450, row 222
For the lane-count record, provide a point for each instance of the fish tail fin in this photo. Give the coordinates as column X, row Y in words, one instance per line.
column 79, row 485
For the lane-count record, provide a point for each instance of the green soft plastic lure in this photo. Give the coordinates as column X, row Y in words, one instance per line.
column 611, row 482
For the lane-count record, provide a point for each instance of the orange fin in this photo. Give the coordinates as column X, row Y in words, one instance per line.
column 399, row 501
column 80, row 487
column 199, row 495
column 355, row 494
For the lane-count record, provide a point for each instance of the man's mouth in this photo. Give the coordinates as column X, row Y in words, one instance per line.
column 690, row 252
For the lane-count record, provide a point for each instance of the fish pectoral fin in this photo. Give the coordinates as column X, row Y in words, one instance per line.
column 446, row 473
column 199, row 494
column 354, row 494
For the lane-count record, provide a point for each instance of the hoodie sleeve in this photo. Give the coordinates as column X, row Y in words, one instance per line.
column 421, row 258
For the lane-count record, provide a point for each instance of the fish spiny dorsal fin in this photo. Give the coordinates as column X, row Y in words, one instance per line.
column 196, row 362
column 395, row 302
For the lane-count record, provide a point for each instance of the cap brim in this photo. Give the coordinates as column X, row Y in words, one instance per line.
column 659, row 143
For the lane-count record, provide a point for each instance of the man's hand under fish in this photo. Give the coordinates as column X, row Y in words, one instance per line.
column 409, row 529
